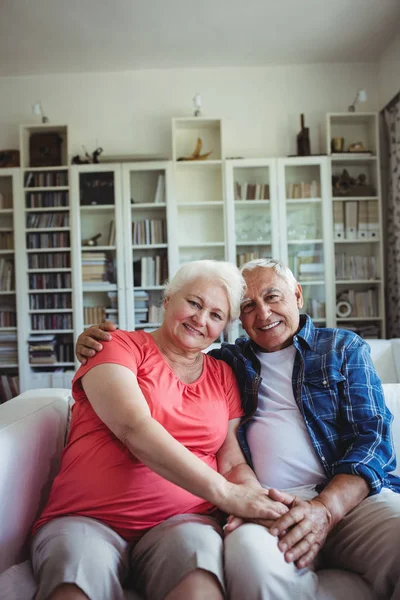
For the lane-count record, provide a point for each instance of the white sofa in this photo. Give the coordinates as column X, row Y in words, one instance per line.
column 32, row 435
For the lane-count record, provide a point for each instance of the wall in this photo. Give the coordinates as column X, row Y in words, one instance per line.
column 389, row 73
column 129, row 112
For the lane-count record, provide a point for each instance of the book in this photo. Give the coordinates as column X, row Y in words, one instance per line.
column 160, row 190
column 351, row 219
column 338, row 220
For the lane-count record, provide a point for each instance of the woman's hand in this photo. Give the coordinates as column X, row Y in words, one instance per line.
column 87, row 346
column 253, row 502
column 280, row 504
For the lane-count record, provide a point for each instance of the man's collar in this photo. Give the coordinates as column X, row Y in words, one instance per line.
column 307, row 331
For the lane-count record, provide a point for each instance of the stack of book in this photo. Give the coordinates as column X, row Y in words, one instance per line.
column 42, row 349
column 94, row 267
column 241, row 259
column 141, row 304
column 8, row 348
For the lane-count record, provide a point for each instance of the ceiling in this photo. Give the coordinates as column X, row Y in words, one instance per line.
column 56, row 36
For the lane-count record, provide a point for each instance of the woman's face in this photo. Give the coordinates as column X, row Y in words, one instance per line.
column 196, row 315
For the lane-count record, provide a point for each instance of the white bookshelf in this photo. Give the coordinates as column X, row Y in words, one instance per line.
column 357, row 222
column 46, row 267
column 10, row 256
column 151, row 251
column 99, row 273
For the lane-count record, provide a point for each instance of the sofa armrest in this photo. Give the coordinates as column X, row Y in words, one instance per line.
column 32, row 436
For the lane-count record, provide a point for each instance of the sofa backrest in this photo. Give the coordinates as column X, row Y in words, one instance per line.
column 385, row 355
column 32, row 435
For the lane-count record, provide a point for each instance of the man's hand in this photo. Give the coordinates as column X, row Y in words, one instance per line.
column 302, row 531
column 87, row 346
column 280, row 504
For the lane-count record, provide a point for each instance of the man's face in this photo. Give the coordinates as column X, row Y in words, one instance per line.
column 270, row 309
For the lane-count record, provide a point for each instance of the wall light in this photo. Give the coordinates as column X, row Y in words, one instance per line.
column 38, row 110
column 361, row 96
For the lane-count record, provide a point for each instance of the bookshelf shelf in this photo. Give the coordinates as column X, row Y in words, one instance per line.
column 148, row 205
column 357, row 221
column 49, row 188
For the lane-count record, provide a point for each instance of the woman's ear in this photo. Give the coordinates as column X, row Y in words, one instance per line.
column 166, row 302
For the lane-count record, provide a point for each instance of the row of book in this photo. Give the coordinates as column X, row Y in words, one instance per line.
column 52, row 260
column 49, row 281
column 8, row 348
column 50, row 219
column 7, row 280
column 244, row 257
column 149, row 231
column 50, row 301
column 48, row 349
column 94, row 266
column 362, row 303
column 150, row 271
column 303, row 190
column 251, row 191
column 354, row 219
column 46, row 179
column 46, row 199
column 9, row 387
column 151, row 316
column 51, row 321
column 48, row 240
column 6, row 240
column 5, row 201
column 8, row 316
column 355, row 267
column 94, row 314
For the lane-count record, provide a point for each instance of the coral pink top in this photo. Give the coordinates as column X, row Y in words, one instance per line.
column 101, row 479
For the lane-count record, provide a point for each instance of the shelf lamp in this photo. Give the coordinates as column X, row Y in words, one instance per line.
column 361, row 96
column 38, row 110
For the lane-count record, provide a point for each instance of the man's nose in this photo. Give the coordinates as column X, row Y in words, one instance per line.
column 263, row 311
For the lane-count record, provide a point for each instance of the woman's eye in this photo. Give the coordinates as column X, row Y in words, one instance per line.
column 216, row 316
column 194, row 303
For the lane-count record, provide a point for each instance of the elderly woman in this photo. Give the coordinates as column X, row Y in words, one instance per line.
column 152, row 458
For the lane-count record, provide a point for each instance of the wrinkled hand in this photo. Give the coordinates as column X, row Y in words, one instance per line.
column 86, row 344
column 271, row 509
column 302, row 531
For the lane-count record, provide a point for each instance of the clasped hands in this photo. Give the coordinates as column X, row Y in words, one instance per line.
column 301, row 531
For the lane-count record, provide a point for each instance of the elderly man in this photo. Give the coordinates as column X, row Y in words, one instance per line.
column 316, row 426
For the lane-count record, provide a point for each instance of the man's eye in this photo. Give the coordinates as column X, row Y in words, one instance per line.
column 247, row 308
column 272, row 297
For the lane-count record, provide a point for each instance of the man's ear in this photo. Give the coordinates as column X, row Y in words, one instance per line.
column 299, row 296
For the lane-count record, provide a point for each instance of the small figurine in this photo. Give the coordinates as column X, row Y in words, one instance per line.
column 196, row 152
column 91, row 241
column 89, row 159
column 197, row 105
column 303, row 139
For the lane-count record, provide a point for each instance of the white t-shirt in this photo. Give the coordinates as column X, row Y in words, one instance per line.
column 281, row 449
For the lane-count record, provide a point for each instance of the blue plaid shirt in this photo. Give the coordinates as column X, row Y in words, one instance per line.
column 340, row 396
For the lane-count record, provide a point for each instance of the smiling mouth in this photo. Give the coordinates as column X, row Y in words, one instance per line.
column 271, row 326
column 192, row 329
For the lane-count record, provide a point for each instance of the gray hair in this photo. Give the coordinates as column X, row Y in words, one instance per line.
column 224, row 273
column 271, row 263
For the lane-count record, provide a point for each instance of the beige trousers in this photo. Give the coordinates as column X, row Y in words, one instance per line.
column 367, row 542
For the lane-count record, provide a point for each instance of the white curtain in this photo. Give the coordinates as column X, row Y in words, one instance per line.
column 392, row 119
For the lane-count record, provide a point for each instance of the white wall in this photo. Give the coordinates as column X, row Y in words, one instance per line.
column 389, row 72
column 129, row 112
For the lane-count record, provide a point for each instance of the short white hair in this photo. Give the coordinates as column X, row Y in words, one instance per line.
column 271, row 263
column 223, row 273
